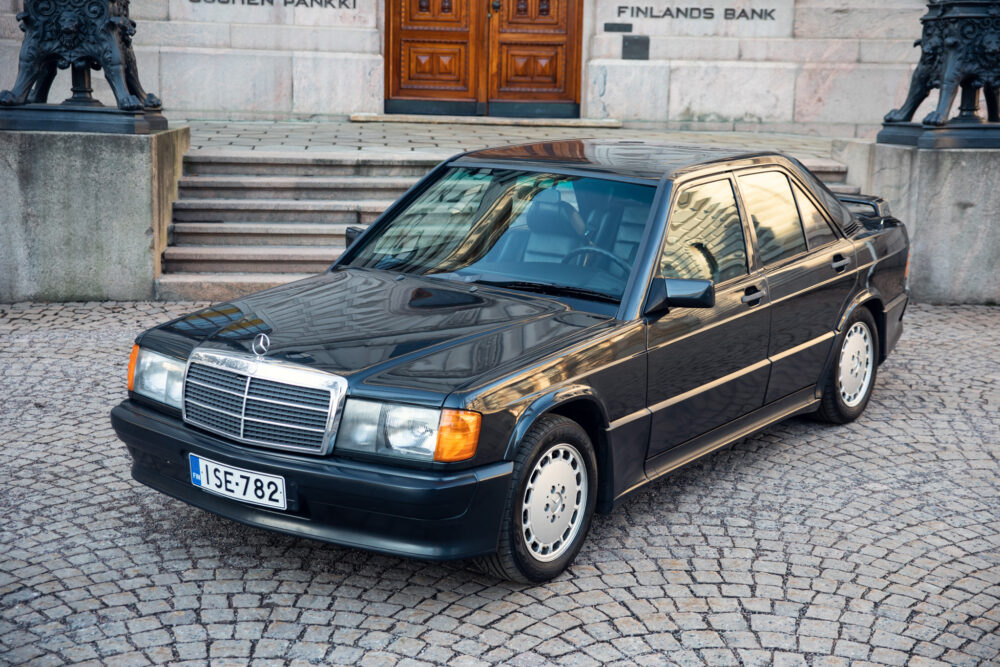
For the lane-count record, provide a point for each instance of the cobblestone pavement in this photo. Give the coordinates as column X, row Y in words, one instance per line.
column 444, row 139
column 874, row 542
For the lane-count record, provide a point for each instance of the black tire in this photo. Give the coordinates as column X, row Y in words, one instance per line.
column 513, row 559
column 833, row 408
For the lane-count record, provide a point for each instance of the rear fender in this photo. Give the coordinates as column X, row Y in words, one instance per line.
column 861, row 298
column 865, row 296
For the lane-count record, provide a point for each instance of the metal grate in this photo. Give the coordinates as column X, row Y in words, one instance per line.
column 257, row 411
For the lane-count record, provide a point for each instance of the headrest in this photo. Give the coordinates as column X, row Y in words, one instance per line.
column 548, row 214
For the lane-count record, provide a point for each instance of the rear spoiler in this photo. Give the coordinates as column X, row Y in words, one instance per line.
column 871, row 211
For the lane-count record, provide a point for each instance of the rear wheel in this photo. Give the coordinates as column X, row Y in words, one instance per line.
column 549, row 505
column 852, row 376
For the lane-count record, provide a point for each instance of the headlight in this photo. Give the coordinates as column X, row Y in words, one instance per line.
column 408, row 432
column 156, row 376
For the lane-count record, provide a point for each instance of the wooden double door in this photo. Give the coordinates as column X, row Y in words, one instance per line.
column 484, row 57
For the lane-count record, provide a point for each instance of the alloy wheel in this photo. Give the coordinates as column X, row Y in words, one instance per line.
column 857, row 359
column 555, row 497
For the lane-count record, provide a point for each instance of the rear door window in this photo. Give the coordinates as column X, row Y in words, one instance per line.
column 769, row 201
column 818, row 231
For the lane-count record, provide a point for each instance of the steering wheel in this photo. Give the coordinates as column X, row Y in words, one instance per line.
column 583, row 250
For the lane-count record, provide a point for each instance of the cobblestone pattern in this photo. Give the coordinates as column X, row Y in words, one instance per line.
column 345, row 136
column 876, row 542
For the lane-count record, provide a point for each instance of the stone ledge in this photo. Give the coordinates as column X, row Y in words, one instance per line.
column 364, row 157
column 484, row 120
column 218, row 286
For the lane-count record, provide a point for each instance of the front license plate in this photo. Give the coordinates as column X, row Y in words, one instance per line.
column 231, row 482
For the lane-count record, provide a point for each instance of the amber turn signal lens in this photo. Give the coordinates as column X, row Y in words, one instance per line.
column 131, row 366
column 458, row 435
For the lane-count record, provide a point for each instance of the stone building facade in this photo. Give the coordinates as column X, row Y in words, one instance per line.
column 831, row 67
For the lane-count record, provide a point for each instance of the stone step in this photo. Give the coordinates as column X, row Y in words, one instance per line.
column 257, row 234
column 246, row 259
column 279, row 210
column 366, row 163
column 828, row 171
column 304, row 163
column 351, row 188
column 217, row 287
column 843, row 188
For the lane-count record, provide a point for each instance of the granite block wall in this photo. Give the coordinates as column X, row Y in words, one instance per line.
column 831, row 67
column 243, row 58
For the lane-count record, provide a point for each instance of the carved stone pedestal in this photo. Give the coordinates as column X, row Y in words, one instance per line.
column 84, row 216
column 950, row 203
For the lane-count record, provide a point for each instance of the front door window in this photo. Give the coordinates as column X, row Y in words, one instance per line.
column 705, row 237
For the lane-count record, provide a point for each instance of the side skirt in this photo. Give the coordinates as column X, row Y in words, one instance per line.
column 800, row 402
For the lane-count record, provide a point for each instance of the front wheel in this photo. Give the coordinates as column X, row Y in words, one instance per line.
column 851, row 379
column 549, row 505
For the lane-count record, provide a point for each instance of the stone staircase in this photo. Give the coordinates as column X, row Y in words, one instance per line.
column 246, row 222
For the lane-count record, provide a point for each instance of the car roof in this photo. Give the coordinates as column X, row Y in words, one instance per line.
column 631, row 159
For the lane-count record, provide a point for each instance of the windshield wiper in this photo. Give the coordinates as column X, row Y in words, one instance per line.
column 547, row 288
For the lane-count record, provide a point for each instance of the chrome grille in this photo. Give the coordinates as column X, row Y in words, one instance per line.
column 262, row 402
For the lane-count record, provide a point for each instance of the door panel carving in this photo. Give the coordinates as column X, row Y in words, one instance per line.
column 534, row 16
column 438, row 66
column 531, row 68
column 435, row 14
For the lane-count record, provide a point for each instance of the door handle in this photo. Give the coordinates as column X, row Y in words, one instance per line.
column 839, row 262
column 496, row 5
column 752, row 295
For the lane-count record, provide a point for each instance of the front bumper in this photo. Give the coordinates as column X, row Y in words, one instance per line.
column 423, row 514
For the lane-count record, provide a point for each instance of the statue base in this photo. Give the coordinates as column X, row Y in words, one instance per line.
column 85, row 216
column 952, row 135
column 72, row 118
column 901, row 134
column 949, row 201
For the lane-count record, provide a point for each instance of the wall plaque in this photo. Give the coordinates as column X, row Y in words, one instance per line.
column 722, row 18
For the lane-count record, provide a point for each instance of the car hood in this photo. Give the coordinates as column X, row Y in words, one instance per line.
column 420, row 337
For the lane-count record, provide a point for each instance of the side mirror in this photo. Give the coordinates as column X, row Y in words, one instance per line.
column 665, row 293
column 351, row 235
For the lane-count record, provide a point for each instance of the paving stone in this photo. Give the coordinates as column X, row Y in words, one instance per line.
column 806, row 544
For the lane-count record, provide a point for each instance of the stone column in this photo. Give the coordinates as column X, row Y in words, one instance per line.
column 950, row 203
column 85, row 216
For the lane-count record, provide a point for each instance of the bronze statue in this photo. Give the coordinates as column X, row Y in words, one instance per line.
column 84, row 35
column 960, row 48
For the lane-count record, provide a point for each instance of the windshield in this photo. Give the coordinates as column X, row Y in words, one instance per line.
column 517, row 229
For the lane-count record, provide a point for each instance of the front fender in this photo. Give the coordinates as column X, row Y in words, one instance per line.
column 548, row 402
